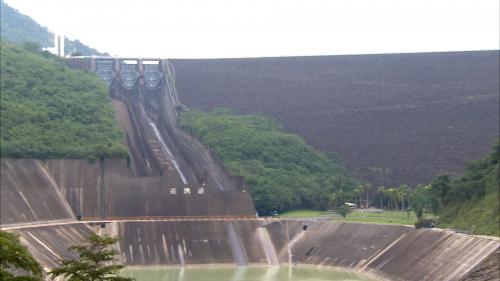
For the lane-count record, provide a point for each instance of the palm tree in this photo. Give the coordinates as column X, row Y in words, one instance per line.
column 380, row 191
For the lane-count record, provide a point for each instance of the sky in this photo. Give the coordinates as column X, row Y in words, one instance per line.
column 263, row 28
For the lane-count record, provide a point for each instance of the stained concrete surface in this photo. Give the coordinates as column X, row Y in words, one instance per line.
column 432, row 254
column 489, row 270
column 388, row 252
column 344, row 244
column 28, row 193
column 35, row 190
column 50, row 244
column 189, row 242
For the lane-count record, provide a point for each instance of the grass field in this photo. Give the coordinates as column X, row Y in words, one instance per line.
column 386, row 217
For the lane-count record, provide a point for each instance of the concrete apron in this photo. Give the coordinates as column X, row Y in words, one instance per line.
column 383, row 252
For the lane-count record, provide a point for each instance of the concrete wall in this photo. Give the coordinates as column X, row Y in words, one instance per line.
column 109, row 189
column 49, row 244
column 189, row 242
column 29, row 193
column 388, row 252
column 432, row 255
column 489, row 270
column 35, row 190
column 347, row 245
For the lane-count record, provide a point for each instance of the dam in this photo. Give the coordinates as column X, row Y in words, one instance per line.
column 174, row 204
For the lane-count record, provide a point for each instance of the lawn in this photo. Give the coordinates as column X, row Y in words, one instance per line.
column 385, row 217
column 303, row 214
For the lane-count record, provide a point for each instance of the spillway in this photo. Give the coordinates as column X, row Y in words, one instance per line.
column 167, row 151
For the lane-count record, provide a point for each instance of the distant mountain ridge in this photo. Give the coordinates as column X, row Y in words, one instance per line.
column 18, row 28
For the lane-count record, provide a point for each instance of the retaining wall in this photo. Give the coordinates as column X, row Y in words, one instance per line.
column 36, row 190
column 28, row 193
column 347, row 245
column 189, row 242
column 49, row 244
column 387, row 252
column 432, row 254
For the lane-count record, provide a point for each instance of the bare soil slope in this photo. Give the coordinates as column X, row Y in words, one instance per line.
column 393, row 119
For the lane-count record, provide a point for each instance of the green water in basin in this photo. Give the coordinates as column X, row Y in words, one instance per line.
column 241, row 274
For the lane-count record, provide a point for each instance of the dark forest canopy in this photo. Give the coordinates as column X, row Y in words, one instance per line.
column 51, row 111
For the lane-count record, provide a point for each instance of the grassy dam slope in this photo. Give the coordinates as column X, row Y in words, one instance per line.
column 393, row 119
column 174, row 204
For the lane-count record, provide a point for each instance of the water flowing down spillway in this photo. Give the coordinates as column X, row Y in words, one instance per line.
column 267, row 245
column 239, row 254
column 167, row 151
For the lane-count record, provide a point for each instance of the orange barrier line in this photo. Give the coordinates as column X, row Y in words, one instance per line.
column 169, row 218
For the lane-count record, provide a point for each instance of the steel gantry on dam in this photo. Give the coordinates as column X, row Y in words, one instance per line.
column 128, row 71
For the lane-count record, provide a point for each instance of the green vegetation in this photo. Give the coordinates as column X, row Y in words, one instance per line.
column 283, row 172
column 19, row 28
column 384, row 217
column 97, row 261
column 471, row 201
column 14, row 257
column 339, row 202
column 303, row 214
column 50, row 111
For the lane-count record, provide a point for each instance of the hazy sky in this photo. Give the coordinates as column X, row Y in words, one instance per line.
column 252, row 28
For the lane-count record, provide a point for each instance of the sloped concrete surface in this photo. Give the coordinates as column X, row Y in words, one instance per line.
column 489, row 270
column 347, row 245
column 28, row 193
column 49, row 244
column 432, row 254
column 189, row 242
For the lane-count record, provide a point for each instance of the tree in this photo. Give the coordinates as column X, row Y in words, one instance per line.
column 381, row 196
column 359, row 194
column 338, row 202
column 15, row 257
column 439, row 188
column 97, row 262
column 31, row 47
column 366, row 188
column 405, row 193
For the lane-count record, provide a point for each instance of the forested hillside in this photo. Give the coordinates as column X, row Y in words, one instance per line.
column 51, row 111
column 471, row 201
column 19, row 28
column 282, row 170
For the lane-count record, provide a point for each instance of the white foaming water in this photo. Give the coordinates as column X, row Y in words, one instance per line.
column 167, row 151
column 267, row 245
column 237, row 249
column 181, row 255
column 290, row 245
